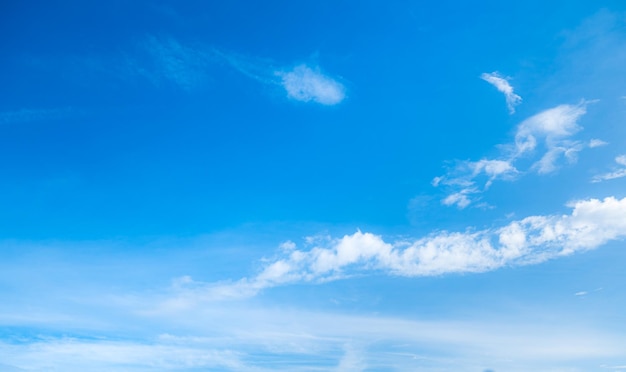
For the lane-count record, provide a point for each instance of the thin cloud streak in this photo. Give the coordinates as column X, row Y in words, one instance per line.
column 618, row 173
column 502, row 84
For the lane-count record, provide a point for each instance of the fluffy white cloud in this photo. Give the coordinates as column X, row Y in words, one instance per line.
column 617, row 173
column 306, row 84
column 533, row 239
column 502, row 84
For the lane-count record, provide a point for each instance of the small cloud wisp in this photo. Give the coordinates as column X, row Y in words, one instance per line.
column 617, row 173
column 502, row 84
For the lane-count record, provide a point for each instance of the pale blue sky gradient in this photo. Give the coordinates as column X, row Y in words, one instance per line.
column 313, row 186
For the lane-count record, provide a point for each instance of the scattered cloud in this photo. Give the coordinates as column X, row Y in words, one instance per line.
column 545, row 139
column 619, row 172
column 531, row 240
column 188, row 67
column 502, row 84
column 306, row 84
column 594, row 142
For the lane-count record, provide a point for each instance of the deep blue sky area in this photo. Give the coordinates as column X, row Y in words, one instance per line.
column 312, row 185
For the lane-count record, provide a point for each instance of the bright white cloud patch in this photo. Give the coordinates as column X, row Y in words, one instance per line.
column 545, row 139
column 619, row 172
column 533, row 239
column 306, row 84
column 502, row 84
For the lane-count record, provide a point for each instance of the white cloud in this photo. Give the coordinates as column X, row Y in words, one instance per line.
column 459, row 199
column 502, row 84
column 617, row 173
column 306, row 84
column 188, row 67
column 533, row 239
column 594, row 142
column 545, row 137
column 552, row 126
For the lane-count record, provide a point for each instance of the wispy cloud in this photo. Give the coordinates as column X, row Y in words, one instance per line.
column 80, row 354
column 306, row 84
column 619, row 172
column 189, row 67
column 253, row 338
column 545, row 139
column 594, row 142
column 531, row 240
column 584, row 293
column 181, row 65
column 502, row 84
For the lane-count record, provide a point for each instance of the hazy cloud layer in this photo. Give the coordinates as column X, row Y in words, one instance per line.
column 288, row 340
column 189, row 67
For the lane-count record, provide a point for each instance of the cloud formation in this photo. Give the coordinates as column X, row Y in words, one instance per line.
column 187, row 68
column 532, row 240
column 619, row 172
column 306, row 84
column 545, row 139
column 502, row 84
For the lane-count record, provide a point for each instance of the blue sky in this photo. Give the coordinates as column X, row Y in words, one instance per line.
column 303, row 186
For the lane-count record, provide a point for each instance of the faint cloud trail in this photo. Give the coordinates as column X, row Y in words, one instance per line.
column 187, row 67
